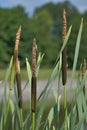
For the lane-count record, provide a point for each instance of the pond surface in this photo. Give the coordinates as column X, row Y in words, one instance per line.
column 40, row 86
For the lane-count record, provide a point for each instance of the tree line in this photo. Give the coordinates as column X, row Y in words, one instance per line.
column 46, row 26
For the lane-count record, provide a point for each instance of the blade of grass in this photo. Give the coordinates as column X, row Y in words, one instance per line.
column 5, row 91
column 73, row 115
column 29, row 72
column 56, row 110
column 12, row 75
column 39, row 60
column 77, row 51
column 78, row 126
column 50, row 117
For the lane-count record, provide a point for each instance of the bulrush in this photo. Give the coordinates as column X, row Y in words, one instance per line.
column 17, row 68
column 83, row 73
column 33, row 85
column 64, row 66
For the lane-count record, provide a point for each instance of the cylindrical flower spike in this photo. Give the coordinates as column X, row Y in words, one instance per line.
column 34, row 58
column 17, row 38
column 16, row 49
column 64, row 63
column 15, row 59
column 64, row 26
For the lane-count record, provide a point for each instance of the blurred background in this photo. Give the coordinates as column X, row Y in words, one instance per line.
column 41, row 20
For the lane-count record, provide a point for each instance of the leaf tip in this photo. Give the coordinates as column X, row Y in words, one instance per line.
column 82, row 20
column 26, row 59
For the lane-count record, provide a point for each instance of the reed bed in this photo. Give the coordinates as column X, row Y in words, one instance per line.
column 12, row 114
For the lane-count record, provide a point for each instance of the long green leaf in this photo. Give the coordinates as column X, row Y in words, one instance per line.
column 51, row 116
column 53, row 75
column 78, row 126
column 39, row 60
column 12, row 75
column 29, row 72
column 5, row 90
column 77, row 51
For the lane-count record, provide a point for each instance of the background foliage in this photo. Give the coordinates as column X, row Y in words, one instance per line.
column 46, row 26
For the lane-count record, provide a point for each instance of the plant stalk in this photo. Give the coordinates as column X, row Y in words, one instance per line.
column 33, row 101
column 64, row 66
column 18, row 75
column 65, row 109
column 33, row 86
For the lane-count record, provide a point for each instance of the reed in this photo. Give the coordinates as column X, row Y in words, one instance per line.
column 64, row 61
column 18, row 75
column 17, row 68
column 33, row 85
column 64, row 66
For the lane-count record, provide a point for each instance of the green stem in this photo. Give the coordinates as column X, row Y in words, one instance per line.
column 21, row 117
column 65, row 110
column 33, row 120
column 33, row 102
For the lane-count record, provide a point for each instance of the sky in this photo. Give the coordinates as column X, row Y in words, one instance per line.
column 30, row 5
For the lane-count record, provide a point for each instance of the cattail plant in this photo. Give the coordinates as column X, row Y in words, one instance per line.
column 18, row 76
column 64, row 66
column 33, row 84
column 83, row 73
column 17, row 68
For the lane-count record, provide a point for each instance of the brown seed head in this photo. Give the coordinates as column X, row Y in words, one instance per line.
column 64, row 26
column 16, row 50
column 17, row 38
column 34, row 48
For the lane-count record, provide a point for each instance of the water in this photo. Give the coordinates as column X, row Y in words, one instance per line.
column 40, row 86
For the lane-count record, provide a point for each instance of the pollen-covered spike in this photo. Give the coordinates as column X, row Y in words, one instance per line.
column 17, row 38
column 16, row 49
column 34, row 48
column 64, row 25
